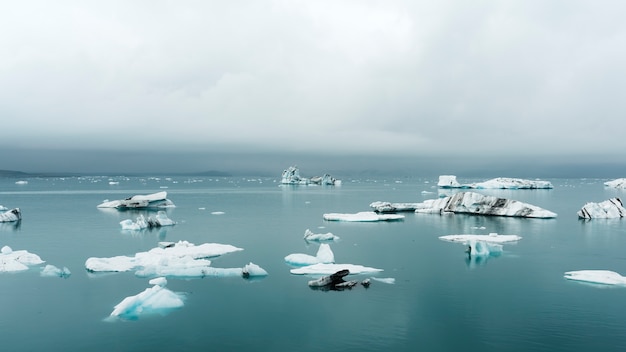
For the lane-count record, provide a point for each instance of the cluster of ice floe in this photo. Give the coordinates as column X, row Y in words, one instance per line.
column 291, row 176
column 364, row 216
column 22, row 260
column 175, row 259
column 10, row 215
column 449, row 181
column 608, row 209
column 154, row 200
column 159, row 220
column 617, row 183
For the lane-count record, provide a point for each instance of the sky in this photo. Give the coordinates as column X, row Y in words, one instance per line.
column 125, row 86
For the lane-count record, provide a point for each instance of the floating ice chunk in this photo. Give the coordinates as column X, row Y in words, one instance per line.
column 492, row 237
column 328, row 269
column 388, row 207
column 604, row 277
column 217, row 213
column 324, row 255
column 386, row 280
column 142, row 223
column 608, row 209
column 449, row 181
column 11, row 261
column 617, row 183
column 21, row 182
column 53, row 271
column 253, row 270
column 11, row 215
column 3, row 208
column 154, row 200
column 475, row 203
column 365, row 216
column 484, row 249
column 154, row 300
column 319, row 237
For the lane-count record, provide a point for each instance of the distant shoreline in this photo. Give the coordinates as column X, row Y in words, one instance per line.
column 21, row 174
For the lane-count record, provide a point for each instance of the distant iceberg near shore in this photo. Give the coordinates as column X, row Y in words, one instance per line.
column 14, row 214
column 449, row 181
column 478, row 204
column 608, row 209
column 154, row 200
column 619, row 183
column 291, row 176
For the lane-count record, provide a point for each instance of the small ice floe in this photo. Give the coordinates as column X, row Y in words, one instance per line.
column 386, row 280
column 478, row 204
column 324, row 255
column 217, row 213
column 21, row 260
column 449, row 181
column 53, row 271
column 309, row 236
column 114, row 183
column 159, row 220
column 365, row 216
column 388, row 207
column 154, row 200
column 327, row 269
column 492, row 237
column 14, row 214
column 602, row 277
column 619, row 183
column 21, row 182
column 154, row 300
column 608, row 209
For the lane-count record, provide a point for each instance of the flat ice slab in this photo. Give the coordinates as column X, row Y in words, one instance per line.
column 617, row 183
column 492, row 237
column 154, row 200
column 365, row 216
column 328, row 269
column 604, row 277
column 449, row 181
column 608, row 209
column 319, row 237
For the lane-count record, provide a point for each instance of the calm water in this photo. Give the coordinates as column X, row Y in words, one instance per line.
column 518, row 301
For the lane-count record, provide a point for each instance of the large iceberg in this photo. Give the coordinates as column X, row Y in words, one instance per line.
column 154, row 300
column 449, row 181
column 608, row 209
column 324, row 255
column 159, row 220
column 11, row 215
column 492, row 238
column 328, row 269
column 617, row 183
column 291, row 176
column 11, row 261
column 365, row 216
column 154, row 200
column 604, row 277
column 476, row 203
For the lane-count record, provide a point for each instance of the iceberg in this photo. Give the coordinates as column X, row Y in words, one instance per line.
column 365, row 216
column 291, row 176
column 154, row 300
column 475, row 203
column 11, row 215
column 154, row 200
column 141, row 223
column 328, row 269
column 21, row 260
column 449, row 181
column 324, row 255
column 3, row 208
column 492, row 238
column 53, row 271
column 617, row 183
column 604, row 277
column 388, row 207
column 483, row 249
column 309, row 236
column 608, row 209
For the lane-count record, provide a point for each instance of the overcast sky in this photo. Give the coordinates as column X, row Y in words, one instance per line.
column 444, row 79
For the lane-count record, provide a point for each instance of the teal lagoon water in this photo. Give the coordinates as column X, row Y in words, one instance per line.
column 440, row 301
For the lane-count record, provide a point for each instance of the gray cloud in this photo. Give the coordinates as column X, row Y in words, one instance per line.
column 445, row 78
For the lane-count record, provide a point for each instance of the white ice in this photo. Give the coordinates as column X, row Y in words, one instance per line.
column 154, row 200
column 365, row 216
column 449, row 181
column 386, row 280
column 319, row 237
column 604, row 277
column 291, row 176
column 328, row 269
column 11, row 261
column 159, row 220
column 484, row 249
column 617, row 183
column 492, row 237
column 3, row 208
column 324, row 255
column 154, row 300
column 608, row 209
column 53, row 271
column 11, row 215
column 388, row 207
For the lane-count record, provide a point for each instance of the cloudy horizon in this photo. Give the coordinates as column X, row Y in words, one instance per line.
column 477, row 84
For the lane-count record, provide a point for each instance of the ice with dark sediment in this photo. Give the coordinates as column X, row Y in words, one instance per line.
column 291, row 176
column 150, row 201
column 309, row 236
column 608, row 209
column 449, row 181
column 159, row 220
column 14, row 214
column 619, row 183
